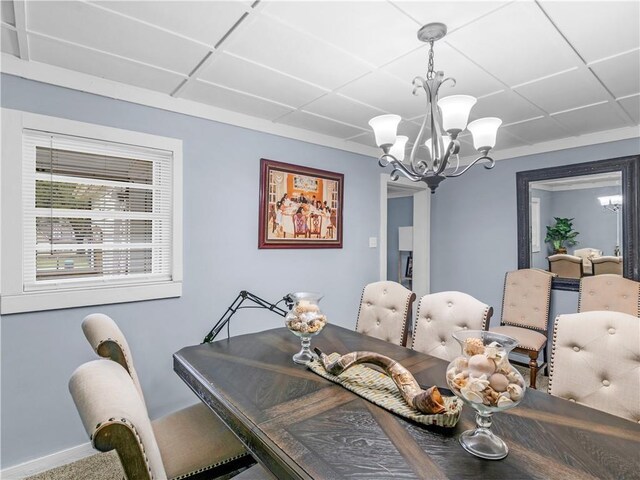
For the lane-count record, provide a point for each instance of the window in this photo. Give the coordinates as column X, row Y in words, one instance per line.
column 98, row 217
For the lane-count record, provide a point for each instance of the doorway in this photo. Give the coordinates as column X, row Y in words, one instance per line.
column 421, row 203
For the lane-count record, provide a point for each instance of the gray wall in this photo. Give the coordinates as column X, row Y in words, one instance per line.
column 399, row 214
column 474, row 229
column 221, row 177
column 596, row 225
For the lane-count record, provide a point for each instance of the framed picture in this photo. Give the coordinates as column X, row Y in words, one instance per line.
column 408, row 273
column 300, row 207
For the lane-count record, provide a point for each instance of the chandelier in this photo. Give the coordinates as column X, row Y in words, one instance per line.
column 445, row 118
column 612, row 203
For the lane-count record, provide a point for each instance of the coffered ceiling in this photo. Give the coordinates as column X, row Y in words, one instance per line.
column 551, row 70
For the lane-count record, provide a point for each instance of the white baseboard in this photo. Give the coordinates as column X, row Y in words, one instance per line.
column 48, row 462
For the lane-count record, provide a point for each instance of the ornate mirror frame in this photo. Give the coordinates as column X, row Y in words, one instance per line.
column 630, row 170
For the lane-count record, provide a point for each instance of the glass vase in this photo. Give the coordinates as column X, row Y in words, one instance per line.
column 305, row 320
column 485, row 380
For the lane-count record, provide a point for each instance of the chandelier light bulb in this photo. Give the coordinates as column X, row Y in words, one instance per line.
column 455, row 112
column 385, row 128
column 484, row 131
column 397, row 150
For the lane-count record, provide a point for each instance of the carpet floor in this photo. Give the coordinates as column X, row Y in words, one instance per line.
column 106, row 466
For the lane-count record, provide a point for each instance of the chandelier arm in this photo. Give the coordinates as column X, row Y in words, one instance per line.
column 452, row 149
column 398, row 167
column 421, row 166
column 492, row 163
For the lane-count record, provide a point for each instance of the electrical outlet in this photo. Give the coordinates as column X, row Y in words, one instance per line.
column 373, row 242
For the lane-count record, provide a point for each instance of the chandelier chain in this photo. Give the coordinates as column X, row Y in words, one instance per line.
column 430, row 72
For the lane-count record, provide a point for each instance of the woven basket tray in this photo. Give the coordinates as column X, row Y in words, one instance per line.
column 378, row 388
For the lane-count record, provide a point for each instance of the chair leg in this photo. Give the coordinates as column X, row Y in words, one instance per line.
column 533, row 369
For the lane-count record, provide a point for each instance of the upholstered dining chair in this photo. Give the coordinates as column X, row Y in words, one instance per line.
column 609, row 293
column 525, row 314
column 598, row 366
column 566, row 266
column 441, row 314
column 211, row 445
column 587, row 254
column 115, row 417
column 385, row 311
column 607, row 264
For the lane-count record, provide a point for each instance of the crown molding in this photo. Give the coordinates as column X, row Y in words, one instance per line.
column 42, row 72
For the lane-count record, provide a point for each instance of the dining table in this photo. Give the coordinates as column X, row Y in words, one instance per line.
column 298, row 425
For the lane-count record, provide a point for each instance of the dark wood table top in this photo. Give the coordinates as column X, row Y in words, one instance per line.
column 300, row 425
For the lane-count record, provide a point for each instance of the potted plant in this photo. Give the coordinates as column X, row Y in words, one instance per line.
column 561, row 235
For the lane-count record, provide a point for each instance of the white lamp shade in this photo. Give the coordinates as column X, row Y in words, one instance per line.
column 484, row 131
column 611, row 200
column 446, row 140
column 385, row 128
column 397, row 150
column 455, row 111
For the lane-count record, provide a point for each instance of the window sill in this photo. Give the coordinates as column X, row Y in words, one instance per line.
column 82, row 297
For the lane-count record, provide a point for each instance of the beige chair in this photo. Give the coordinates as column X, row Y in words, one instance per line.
column 607, row 264
column 594, row 361
column 609, row 293
column 115, row 417
column 587, row 254
column 385, row 311
column 566, row 266
column 441, row 314
column 525, row 314
column 198, row 438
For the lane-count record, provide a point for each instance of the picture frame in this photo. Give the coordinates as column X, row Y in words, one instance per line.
column 299, row 206
column 408, row 273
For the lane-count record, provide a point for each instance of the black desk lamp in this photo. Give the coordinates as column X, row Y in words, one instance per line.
column 237, row 305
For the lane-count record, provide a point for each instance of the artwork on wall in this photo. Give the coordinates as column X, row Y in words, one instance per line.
column 300, row 207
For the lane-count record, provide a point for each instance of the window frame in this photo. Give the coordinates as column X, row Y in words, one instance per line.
column 13, row 297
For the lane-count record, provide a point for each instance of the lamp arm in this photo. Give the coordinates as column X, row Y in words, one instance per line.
column 492, row 163
column 236, row 305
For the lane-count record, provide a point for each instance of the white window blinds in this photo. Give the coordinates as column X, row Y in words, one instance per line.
column 94, row 212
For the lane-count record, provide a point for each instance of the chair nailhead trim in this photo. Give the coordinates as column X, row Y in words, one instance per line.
column 129, row 424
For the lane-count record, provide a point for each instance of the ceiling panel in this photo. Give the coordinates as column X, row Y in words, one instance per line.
column 564, row 91
column 497, row 42
column 9, row 41
column 597, row 29
column 90, row 26
column 470, row 79
column 223, row 98
column 505, row 140
column 367, row 139
column 620, row 74
column 240, row 74
column 387, row 93
column 6, row 12
column 102, row 65
column 206, row 22
column 453, row 14
column 537, row 130
column 335, row 23
column 591, row 119
column 506, row 105
column 318, row 124
column 343, row 109
column 632, row 106
column 272, row 43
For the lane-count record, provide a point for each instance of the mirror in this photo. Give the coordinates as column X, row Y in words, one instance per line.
column 591, row 210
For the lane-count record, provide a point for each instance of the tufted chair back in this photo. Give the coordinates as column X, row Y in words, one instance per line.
column 108, row 341
column 115, row 417
column 525, row 302
column 609, row 292
column 598, row 365
column 566, row 266
column 385, row 309
column 440, row 315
